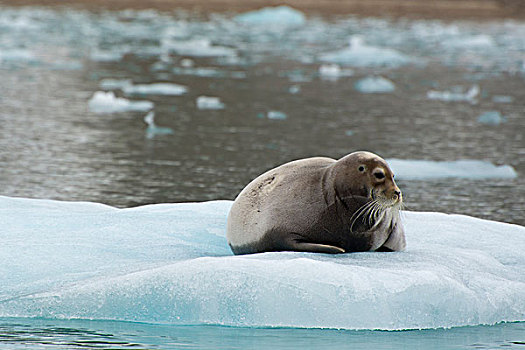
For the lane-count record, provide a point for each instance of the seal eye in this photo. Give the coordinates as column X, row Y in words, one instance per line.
column 379, row 175
column 361, row 168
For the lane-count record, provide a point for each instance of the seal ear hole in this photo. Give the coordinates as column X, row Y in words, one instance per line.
column 361, row 168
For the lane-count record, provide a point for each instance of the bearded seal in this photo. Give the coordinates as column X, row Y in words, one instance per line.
column 319, row 205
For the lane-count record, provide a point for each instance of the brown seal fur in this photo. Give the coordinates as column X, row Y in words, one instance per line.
column 319, row 205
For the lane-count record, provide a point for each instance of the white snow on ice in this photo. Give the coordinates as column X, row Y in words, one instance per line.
column 106, row 102
column 170, row 263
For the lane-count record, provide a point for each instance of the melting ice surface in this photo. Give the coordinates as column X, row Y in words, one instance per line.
column 170, row 263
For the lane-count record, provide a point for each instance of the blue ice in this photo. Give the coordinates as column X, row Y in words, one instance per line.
column 374, row 84
column 491, row 118
column 280, row 15
column 170, row 264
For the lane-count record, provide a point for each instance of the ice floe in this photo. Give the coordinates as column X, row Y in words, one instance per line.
column 276, row 115
column 332, row 71
column 155, row 89
column 114, row 84
column 209, row 102
column 171, row 264
column 154, row 130
column 202, row 47
column 106, row 102
column 458, row 95
column 491, row 118
column 502, row 99
column 374, row 85
column 279, row 15
column 359, row 54
column 468, row 169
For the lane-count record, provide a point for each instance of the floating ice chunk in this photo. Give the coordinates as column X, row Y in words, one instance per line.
column 171, row 264
column 502, row 99
column 349, row 132
column 200, row 48
column 155, row 89
column 209, row 102
column 276, row 115
column 491, row 118
column 153, row 129
column 332, row 71
column 374, row 84
column 468, row 96
column 107, row 102
column 106, row 56
column 294, row 89
column 114, row 84
column 475, row 41
column 209, row 72
column 469, row 169
column 187, row 63
column 358, row 54
column 16, row 55
column 279, row 15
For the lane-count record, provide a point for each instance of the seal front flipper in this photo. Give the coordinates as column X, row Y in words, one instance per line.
column 297, row 243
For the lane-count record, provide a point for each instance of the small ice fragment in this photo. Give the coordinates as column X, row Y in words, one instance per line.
column 276, row 115
column 155, row 89
column 107, row 102
column 294, row 89
column 17, row 55
column 349, row 132
column 209, row 102
column 106, row 56
column 358, row 54
column 153, row 129
column 454, row 96
column 502, row 99
column 330, row 70
column 114, row 84
column 186, row 63
column 279, row 15
column 374, row 84
column 200, row 48
column 491, row 118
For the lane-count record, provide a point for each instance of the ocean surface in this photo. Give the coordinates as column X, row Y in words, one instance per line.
column 451, row 94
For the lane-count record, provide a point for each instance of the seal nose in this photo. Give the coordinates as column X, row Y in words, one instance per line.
column 397, row 194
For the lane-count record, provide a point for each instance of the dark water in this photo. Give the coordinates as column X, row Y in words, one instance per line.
column 52, row 146
column 76, row 334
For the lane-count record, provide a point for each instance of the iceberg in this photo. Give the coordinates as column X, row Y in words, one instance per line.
column 279, row 15
column 107, row 102
column 455, row 96
column 374, row 85
column 359, row 54
column 209, row 102
column 154, row 89
column 468, row 169
column 491, row 118
column 170, row 264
